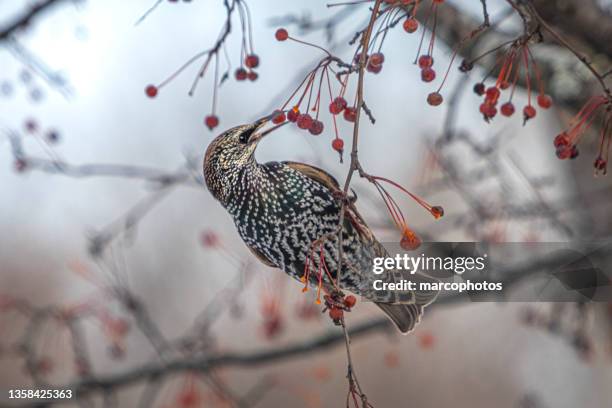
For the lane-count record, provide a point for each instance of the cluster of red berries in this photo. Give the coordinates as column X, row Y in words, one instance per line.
column 566, row 142
column 565, row 149
column 35, row 93
column 488, row 107
column 517, row 57
column 336, row 304
column 312, row 86
column 409, row 241
column 425, row 61
column 247, row 71
column 428, row 74
column 31, row 126
column 374, row 62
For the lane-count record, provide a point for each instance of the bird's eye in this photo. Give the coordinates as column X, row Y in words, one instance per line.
column 246, row 135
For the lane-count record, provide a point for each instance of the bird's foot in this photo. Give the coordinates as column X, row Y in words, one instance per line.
column 344, row 198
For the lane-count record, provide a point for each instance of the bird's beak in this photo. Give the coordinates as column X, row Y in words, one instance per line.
column 258, row 124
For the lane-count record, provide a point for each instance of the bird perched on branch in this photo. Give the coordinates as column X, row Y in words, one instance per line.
column 288, row 215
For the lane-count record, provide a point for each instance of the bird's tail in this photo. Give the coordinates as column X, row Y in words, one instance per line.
column 407, row 316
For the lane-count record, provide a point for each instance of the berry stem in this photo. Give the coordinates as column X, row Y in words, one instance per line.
column 527, row 77
column 181, row 69
column 423, row 35
column 331, row 98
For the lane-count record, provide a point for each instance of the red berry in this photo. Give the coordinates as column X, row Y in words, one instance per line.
column 336, row 314
column 504, row 85
column 574, row 152
column 425, row 61
column 316, row 127
column 544, row 101
column 529, row 112
column 350, row 114
column 437, row 211
column 358, row 58
column 410, row 241
column 434, row 99
column 507, row 109
column 561, row 139
column 20, row 165
column 251, row 61
column 151, row 91
column 31, row 125
column 281, row 34
column 466, row 66
column 428, row 75
column 304, row 121
column 493, row 93
column 600, row 165
column 209, row 239
column 293, row 114
column 240, row 74
column 252, row 75
column 411, row 25
column 211, row 121
column 488, row 110
column 278, row 116
column 338, row 145
column 375, row 69
column 564, row 152
column 376, row 59
column 52, row 136
column 337, row 105
column 479, row 88
column 350, row 301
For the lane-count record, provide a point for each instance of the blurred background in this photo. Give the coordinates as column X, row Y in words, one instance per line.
column 118, row 268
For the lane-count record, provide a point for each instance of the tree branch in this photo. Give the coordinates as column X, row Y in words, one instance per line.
column 26, row 18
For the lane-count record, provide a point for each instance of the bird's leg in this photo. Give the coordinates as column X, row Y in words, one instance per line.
column 334, row 299
column 344, row 198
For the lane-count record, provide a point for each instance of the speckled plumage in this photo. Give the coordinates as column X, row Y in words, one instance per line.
column 281, row 208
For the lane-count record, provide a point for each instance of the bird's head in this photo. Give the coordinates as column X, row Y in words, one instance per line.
column 228, row 154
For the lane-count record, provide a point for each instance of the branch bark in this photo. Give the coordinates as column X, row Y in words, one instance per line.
column 26, row 18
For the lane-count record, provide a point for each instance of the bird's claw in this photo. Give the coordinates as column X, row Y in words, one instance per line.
column 344, row 198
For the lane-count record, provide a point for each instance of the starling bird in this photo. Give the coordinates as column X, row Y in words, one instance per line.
column 288, row 213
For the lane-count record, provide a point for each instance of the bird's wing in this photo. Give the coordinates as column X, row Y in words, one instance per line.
column 316, row 174
column 405, row 316
column 264, row 259
column 321, row 176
